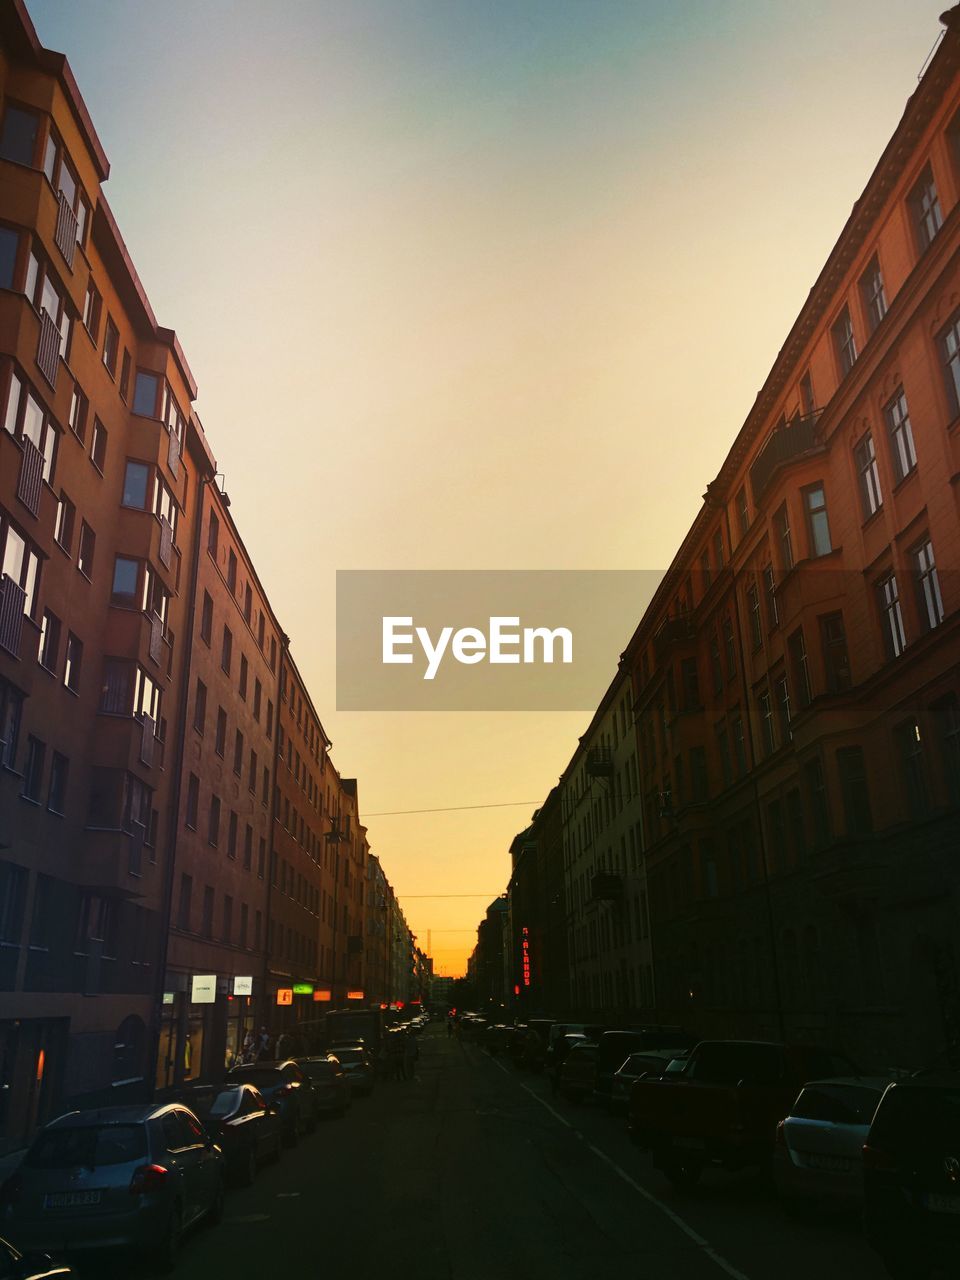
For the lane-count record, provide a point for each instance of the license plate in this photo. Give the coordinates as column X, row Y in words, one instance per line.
column 689, row 1144
column 70, row 1199
column 831, row 1164
column 942, row 1204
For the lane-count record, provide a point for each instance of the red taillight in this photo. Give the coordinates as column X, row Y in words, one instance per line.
column 878, row 1159
column 148, row 1178
column 781, row 1134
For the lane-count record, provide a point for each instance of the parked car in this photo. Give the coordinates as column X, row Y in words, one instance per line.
column 558, row 1033
column 246, row 1128
column 911, row 1177
column 649, row 1065
column 616, row 1046
column 578, row 1074
column 285, row 1087
column 533, row 1053
column 15, row 1265
column 330, row 1083
column 558, row 1056
column 118, row 1177
column 358, row 1067
column 818, row 1156
column 723, row 1108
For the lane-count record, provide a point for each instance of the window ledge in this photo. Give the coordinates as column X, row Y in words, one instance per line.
column 905, row 480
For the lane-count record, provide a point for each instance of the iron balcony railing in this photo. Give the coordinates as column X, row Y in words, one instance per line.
column 48, row 348
column 787, row 443
column 30, row 482
column 66, row 232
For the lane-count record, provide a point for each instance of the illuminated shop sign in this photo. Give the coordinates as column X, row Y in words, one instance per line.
column 525, row 955
column 243, row 986
column 284, row 995
column 322, row 996
column 203, row 989
column 303, row 988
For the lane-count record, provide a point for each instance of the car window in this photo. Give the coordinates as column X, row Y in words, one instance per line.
column 917, row 1118
column 174, row 1134
column 192, row 1128
column 837, row 1104
column 226, row 1103
column 88, row 1146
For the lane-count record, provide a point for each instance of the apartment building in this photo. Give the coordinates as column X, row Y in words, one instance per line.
column 796, row 677
column 100, row 467
column 214, row 985
column 604, row 885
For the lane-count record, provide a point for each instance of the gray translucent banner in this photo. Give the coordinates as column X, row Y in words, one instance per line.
column 483, row 640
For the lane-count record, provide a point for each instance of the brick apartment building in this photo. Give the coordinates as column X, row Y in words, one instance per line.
column 175, row 844
column 796, row 677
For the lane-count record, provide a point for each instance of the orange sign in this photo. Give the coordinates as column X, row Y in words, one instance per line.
column 354, row 995
column 284, row 995
column 322, row 995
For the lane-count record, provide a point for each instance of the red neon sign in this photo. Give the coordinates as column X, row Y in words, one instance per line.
column 525, row 955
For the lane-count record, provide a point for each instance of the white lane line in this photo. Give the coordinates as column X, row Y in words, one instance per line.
column 675, row 1218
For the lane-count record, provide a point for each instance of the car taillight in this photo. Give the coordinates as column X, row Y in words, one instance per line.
column 148, row 1178
column 877, row 1158
column 11, row 1189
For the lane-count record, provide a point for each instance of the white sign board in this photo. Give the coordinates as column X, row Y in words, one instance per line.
column 243, row 986
column 204, row 988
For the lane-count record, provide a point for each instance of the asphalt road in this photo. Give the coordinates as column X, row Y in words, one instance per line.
column 471, row 1171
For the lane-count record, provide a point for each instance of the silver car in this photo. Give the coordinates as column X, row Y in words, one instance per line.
column 119, row 1177
column 819, row 1144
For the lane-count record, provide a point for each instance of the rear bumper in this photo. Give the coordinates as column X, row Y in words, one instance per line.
column 845, row 1190
column 138, row 1229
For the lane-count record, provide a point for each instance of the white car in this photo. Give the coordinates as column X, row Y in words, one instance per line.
column 819, row 1144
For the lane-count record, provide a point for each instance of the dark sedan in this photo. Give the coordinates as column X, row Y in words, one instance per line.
column 358, row 1067
column 284, row 1086
column 247, row 1129
column 330, row 1083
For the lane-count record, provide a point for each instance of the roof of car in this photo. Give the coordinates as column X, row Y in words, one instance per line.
column 865, row 1082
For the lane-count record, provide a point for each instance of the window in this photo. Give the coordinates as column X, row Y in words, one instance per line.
column 116, row 688
column 704, row 569
column 87, row 547
column 743, row 511
column 718, row 549
column 901, row 436
column 891, row 616
column 858, row 816
column 49, row 654
column 18, row 138
column 232, row 570
column 818, row 800
column 98, row 445
column 226, row 649
column 126, row 580
column 252, row 771
column 716, row 665
column 807, row 402
column 781, row 524
column 111, row 347
column 206, row 618
column 200, row 707
column 72, row 663
column 66, row 516
column 57, row 794
column 925, row 209
column 221, row 740
column 33, row 769
column 818, row 526
column 865, row 456
column 213, row 534
column 79, row 405
column 244, row 676
column 238, row 753
column 929, row 600
column 92, row 306
column 11, row 703
column 26, row 419
column 836, row 663
column 213, row 823
column 739, row 747
column 909, row 743
column 21, row 563
column 9, row 244
column 247, row 603
column 232, row 835
column 146, row 394
column 947, row 717
column 844, row 342
column 257, row 699
column 125, row 374
column 766, row 722
column 136, row 485
column 784, row 710
column 729, row 647
column 800, row 667
column 193, row 801
column 950, row 356
column 871, row 291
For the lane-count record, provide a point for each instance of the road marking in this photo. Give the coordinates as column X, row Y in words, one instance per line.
column 675, row 1218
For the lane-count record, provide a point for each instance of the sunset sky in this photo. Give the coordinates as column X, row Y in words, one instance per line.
column 482, row 285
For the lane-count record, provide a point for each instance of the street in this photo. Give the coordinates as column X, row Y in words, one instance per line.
column 472, row 1172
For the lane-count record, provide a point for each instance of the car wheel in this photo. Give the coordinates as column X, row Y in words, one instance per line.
column 169, row 1249
column 215, row 1212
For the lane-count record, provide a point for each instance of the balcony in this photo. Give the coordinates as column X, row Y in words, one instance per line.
column 12, row 600
column 788, row 443
column 670, row 632
column 30, row 481
column 65, row 234
column 48, row 348
column 600, row 762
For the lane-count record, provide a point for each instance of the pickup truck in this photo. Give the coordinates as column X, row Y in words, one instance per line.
column 722, row 1109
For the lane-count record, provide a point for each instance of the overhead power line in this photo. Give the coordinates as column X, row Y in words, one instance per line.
column 453, row 808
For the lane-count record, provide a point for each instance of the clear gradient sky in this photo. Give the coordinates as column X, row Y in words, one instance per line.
column 477, row 284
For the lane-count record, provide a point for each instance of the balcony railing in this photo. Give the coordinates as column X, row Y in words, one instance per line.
column 787, row 443
column 148, row 740
column 156, row 637
column 166, row 542
column 670, row 632
column 173, row 454
column 48, row 348
column 66, row 232
column 30, row 483
column 12, row 601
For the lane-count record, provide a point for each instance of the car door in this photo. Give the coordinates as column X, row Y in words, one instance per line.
column 204, row 1162
column 178, row 1159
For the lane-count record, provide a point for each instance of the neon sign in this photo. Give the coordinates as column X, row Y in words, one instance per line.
column 525, row 955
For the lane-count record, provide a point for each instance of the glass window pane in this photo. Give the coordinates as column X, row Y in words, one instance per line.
column 125, row 574
column 135, row 485
column 145, row 394
column 18, row 139
column 8, row 256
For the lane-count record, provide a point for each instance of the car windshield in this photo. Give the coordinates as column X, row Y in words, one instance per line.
column 320, row 1070
column 918, row 1118
column 225, row 1103
column 88, row 1146
column 348, row 1056
column 837, row 1103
